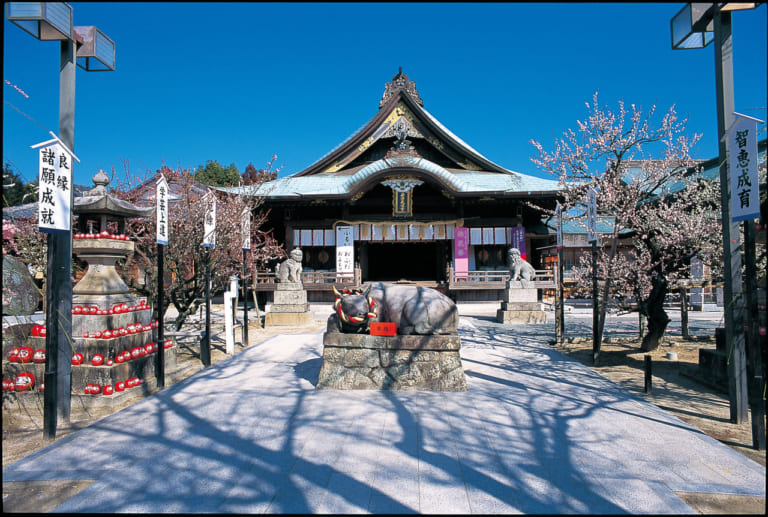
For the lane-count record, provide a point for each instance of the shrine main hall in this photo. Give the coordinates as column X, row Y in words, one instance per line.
column 405, row 199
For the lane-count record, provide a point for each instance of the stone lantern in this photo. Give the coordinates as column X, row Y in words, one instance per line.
column 100, row 241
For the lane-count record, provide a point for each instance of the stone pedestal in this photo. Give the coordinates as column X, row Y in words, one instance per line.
column 520, row 305
column 290, row 306
column 413, row 362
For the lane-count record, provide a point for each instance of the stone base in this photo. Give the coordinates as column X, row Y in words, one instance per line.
column 412, row 362
column 273, row 319
column 521, row 317
column 520, row 294
column 276, row 307
column 521, row 306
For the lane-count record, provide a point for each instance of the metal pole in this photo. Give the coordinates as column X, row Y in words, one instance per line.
column 245, row 302
column 595, row 314
column 205, row 345
column 734, row 301
column 58, row 294
column 161, row 312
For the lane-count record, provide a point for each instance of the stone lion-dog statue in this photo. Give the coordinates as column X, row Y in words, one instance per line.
column 290, row 269
column 519, row 269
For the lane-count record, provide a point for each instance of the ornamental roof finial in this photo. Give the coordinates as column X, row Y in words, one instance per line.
column 400, row 82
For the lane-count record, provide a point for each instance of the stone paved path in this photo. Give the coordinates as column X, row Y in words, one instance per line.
column 535, row 433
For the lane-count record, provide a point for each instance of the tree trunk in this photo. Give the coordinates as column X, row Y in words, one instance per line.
column 641, row 324
column 657, row 318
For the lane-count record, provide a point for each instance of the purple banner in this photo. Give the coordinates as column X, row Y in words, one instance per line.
column 517, row 240
column 461, row 252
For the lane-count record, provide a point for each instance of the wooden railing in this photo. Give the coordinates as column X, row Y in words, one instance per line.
column 544, row 279
column 324, row 280
column 312, row 280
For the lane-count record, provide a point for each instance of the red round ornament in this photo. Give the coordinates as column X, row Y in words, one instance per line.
column 25, row 381
column 13, row 354
column 25, row 354
column 77, row 359
column 39, row 356
column 108, row 390
column 120, row 386
column 97, row 360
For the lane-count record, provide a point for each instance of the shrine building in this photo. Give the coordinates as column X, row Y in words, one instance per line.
column 405, row 199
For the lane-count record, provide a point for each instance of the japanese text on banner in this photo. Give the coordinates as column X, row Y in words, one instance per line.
column 345, row 253
column 209, row 221
column 742, row 165
column 162, row 211
column 55, row 184
column 461, row 252
column 245, row 224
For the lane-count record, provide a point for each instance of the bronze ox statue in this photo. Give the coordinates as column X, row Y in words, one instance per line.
column 415, row 309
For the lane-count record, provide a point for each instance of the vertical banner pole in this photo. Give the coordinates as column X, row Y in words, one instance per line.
column 595, row 313
column 592, row 237
column 559, row 299
column 163, row 231
column 246, row 238
column 160, row 361
column 209, row 241
column 205, row 345
column 245, row 302
column 58, row 293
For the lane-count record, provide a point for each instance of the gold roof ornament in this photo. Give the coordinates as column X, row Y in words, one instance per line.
column 400, row 82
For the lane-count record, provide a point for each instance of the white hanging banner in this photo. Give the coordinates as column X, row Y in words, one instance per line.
column 559, row 223
column 345, row 253
column 209, row 220
column 591, row 215
column 742, row 168
column 54, row 187
column 245, row 224
column 163, row 225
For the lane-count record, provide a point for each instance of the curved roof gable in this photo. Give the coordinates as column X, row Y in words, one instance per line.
column 401, row 101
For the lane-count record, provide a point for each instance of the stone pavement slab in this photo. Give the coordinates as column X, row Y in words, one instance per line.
column 535, row 433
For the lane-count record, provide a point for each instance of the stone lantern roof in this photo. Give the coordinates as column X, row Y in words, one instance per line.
column 99, row 201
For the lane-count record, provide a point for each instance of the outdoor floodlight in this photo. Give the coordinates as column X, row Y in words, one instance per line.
column 738, row 6
column 44, row 20
column 96, row 52
column 693, row 27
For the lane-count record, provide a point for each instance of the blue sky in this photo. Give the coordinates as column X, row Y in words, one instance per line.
column 237, row 82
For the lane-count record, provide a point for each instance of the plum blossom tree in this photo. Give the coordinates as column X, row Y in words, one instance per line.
column 646, row 181
column 184, row 258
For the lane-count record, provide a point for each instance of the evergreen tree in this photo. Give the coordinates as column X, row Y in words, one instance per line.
column 212, row 173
